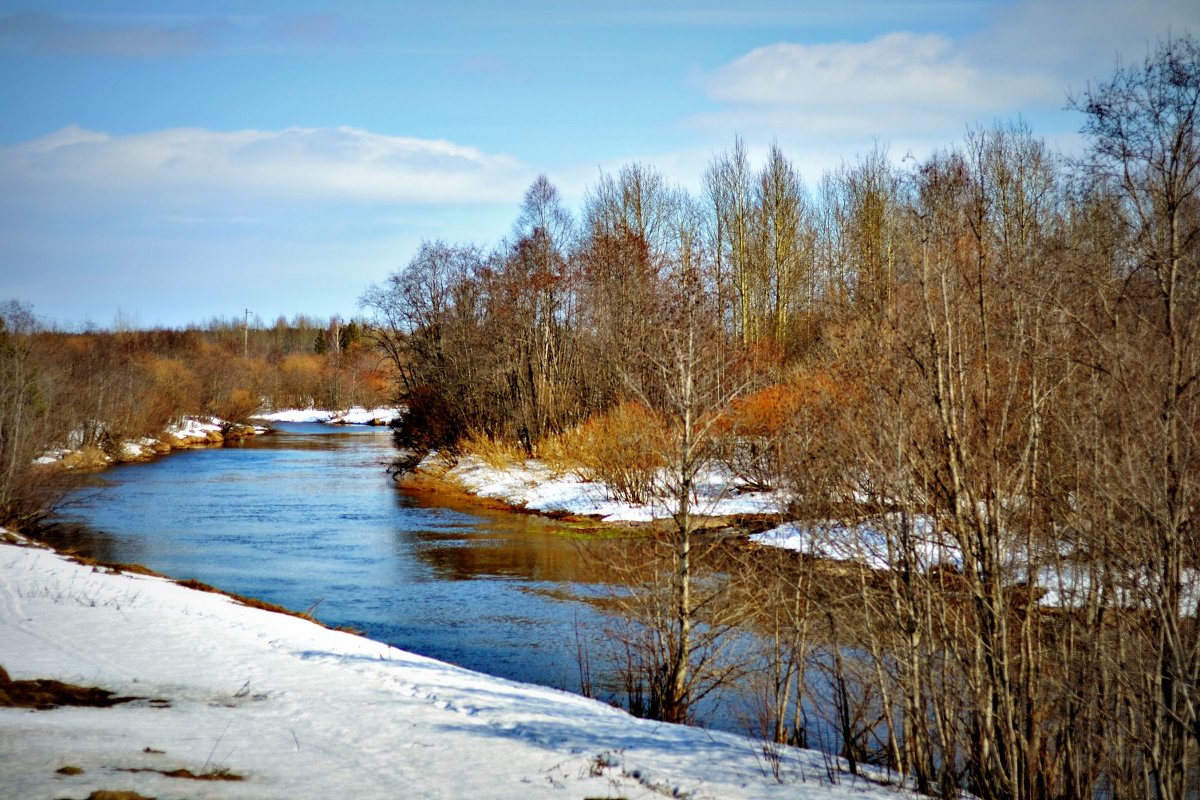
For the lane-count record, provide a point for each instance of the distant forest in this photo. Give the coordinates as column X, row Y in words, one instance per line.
column 103, row 387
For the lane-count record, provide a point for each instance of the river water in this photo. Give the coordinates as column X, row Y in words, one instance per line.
column 308, row 518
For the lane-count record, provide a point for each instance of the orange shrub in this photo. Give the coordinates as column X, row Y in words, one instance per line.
column 624, row 448
column 759, row 432
column 301, row 379
column 169, row 391
column 237, row 406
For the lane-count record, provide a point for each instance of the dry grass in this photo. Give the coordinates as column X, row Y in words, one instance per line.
column 187, row 774
column 85, row 459
column 192, row 583
column 495, row 453
column 46, row 694
column 623, row 448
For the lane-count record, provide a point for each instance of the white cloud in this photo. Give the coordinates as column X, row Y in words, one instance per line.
column 821, row 74
column 898, row 83
column 187, row 166
column 906, row 85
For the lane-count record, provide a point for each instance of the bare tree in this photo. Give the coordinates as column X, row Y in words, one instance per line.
column 532, row 298
column 27, row 421
column 784, row 243
column 728, row 185
column 1142, row 129
column 680, row 611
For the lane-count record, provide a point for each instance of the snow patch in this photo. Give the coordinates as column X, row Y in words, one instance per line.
column 535, row 486
column 866, row 542
column 351, row 416
column 296, row 415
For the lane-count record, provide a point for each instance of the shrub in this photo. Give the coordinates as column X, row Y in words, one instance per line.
column 300, row 379
column 761, row 432
column 492, row 451
column 753, row 433
column 430, row 422
column 168, row 391
column 237, row 406
column 624, row 448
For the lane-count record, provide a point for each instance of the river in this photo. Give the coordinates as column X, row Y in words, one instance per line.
column 308, row 518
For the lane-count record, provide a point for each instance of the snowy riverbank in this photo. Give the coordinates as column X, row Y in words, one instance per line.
column 192, row 431
column 296, row 710
column 533, row 485
column 351, row 416
column 183, row 434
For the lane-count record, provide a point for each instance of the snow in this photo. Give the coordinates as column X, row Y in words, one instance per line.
column 193, row 428
column 52, row 456
column 365, row 416
column 1065, row 580
column 865, row 543
column 296, row 415
column 351, row 416
column 301, row 711
column 533, row 485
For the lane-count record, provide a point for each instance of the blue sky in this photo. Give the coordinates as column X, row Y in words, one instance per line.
column 179, row 160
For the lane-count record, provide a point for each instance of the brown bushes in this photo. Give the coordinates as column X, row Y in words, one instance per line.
column 623, row 448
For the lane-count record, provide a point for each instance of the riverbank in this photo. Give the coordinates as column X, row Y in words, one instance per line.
column 186, row 434
column 192, row 432
column 228, row 701
column 534, row 486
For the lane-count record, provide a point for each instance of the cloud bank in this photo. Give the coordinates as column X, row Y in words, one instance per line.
column 183, row 166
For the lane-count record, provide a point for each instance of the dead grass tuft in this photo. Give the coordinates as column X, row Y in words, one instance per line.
column 560, row 453
column 192, row 583
column 495, row 453
column 43, row 695
column 187, row 774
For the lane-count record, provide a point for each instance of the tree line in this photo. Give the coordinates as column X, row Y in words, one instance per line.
column 99, row 388
column 980, row 370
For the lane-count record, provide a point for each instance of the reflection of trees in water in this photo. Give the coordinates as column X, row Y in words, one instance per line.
column 520, row 547
column 78, row 539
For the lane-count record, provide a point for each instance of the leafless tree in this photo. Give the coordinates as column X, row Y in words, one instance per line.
column 1142, row 128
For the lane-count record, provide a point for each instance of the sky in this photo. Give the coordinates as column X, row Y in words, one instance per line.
column 165, row 163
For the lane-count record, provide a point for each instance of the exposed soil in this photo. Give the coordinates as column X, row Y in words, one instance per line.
column 214, row 775
column 43, row 695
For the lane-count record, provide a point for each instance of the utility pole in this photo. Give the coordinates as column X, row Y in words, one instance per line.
column 246, row 337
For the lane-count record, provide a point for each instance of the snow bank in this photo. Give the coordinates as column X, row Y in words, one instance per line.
column 299, row 711
column 365, row 416
column 352, row 416
column 1063, row 577
column 533, row 485
column 865, row 543
column 194, row 428
column 296, row 415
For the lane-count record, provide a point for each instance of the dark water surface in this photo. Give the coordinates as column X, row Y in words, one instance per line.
column 308, row 518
